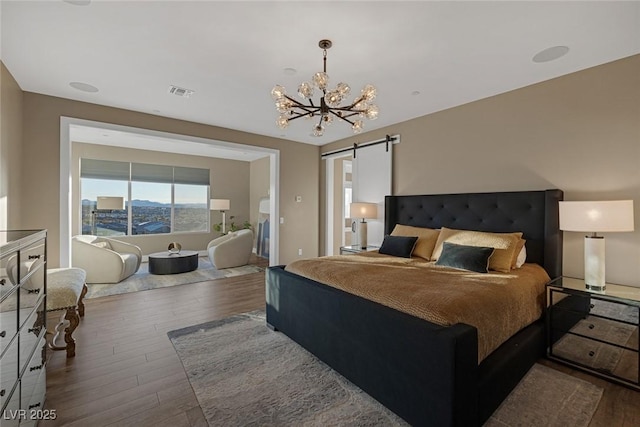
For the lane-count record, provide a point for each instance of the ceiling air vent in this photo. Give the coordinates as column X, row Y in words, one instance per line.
column 180, row 91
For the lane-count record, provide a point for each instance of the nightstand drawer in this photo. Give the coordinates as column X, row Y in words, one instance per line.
column 598, row 356
column 609, row 331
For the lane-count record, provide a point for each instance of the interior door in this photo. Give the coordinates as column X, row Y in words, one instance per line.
column 371, row 182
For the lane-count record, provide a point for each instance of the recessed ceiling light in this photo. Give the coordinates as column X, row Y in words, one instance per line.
column 415, row 93
column 78, row 2
column 550, row 54
column 290, row 71
column 84, row 87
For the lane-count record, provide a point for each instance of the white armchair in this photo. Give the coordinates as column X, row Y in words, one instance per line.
column 105, row 260
column 231, row 250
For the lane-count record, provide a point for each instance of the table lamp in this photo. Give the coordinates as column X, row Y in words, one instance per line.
column 364, row 211
column 596, row 217
column 221, row 205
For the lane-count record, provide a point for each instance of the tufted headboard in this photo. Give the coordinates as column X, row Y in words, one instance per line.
column 535, row 213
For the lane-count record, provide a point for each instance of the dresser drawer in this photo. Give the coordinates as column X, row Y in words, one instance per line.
column 32, row 290
column 8, row 371
column 8, row 319
column 31, row 332
column 32, row 383
column 11, row 416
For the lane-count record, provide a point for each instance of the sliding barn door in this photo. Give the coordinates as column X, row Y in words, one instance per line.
column 371, row 182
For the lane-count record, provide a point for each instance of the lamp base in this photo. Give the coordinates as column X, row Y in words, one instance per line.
column 594, row 263
column 363, row 235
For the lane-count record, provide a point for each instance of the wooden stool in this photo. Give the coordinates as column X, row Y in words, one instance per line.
column 66, row 288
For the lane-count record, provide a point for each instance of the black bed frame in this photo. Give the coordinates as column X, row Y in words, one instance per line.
column 426, row 373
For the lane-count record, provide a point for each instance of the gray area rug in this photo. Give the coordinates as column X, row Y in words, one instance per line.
column 143, row 280
column 245, row 374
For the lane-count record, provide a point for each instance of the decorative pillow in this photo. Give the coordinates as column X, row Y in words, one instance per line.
column 472, row 258
column 104, row 245
column 400, row 246
column 503, row 243
column 516, row 254
column 427, row 238
column 522, row 257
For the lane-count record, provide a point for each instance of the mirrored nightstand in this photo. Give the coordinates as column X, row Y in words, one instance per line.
column 356, row 249
column 596, row 332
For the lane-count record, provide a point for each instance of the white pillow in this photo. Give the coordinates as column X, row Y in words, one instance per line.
column 522, row 257
column 104, row 245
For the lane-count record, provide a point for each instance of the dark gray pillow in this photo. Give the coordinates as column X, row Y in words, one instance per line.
column 472, row 258
column 400, row 246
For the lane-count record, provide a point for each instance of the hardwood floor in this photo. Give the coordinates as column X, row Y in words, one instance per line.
column 126, row 372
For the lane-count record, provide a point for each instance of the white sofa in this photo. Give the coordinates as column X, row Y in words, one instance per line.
column 105, row 260
column 231, row 250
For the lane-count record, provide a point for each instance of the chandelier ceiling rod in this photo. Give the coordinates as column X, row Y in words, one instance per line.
column 292, row 109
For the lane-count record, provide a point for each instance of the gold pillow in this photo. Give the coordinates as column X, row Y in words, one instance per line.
column 427, row 238
column 504, row 244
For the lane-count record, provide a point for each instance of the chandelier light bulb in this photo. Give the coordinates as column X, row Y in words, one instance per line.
column 284, row 105
column 282, row 122
column 305, row 90
column 343, row 88
column 369, row 93
column 278, row 92
column 332, row 105
column 321, row 80
column 372, row 112
column 333, row 98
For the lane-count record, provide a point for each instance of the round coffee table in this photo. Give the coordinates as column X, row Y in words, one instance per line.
column 173, row 263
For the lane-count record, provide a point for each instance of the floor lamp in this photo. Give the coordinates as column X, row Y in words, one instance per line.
column 105, row 203
column 596, row 217
column 364, row 211
column 221, row 205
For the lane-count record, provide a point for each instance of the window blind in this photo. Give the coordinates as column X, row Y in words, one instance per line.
column 107, row 169
column 182, row 175
column 151, row 173
column 104, row 169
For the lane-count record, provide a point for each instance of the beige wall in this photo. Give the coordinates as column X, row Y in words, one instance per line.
column 258, row 188
column 10, row 149
column 40, row 199
column 579, row 133
column 229, row 180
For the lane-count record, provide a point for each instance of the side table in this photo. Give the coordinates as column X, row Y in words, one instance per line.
column 356, row 249
column 596, row 332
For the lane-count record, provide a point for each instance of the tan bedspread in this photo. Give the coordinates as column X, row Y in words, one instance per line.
column 497, row 304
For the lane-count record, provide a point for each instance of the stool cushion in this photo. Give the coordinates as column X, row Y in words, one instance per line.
column 64, row 286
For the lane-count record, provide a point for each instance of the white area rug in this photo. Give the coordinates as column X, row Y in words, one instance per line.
column 143, row 280
column 245, row 374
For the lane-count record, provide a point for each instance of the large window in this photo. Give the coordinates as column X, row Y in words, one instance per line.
column 159, row 199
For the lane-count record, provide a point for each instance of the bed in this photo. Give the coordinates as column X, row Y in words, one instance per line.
column 426, row 373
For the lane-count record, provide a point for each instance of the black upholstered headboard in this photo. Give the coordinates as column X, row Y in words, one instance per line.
column 534, row 213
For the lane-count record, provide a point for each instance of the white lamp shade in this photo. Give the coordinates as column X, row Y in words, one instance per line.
column 264, row 205
column 364, row 210
column 110, row 203
column 597, row 216
column 220, row 204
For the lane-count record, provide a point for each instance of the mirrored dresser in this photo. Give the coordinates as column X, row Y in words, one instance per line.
column 22, row 326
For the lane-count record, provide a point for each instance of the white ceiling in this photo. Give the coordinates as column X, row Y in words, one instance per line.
column 232, row 53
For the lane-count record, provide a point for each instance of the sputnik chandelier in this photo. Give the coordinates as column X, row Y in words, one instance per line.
column 330, row 102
